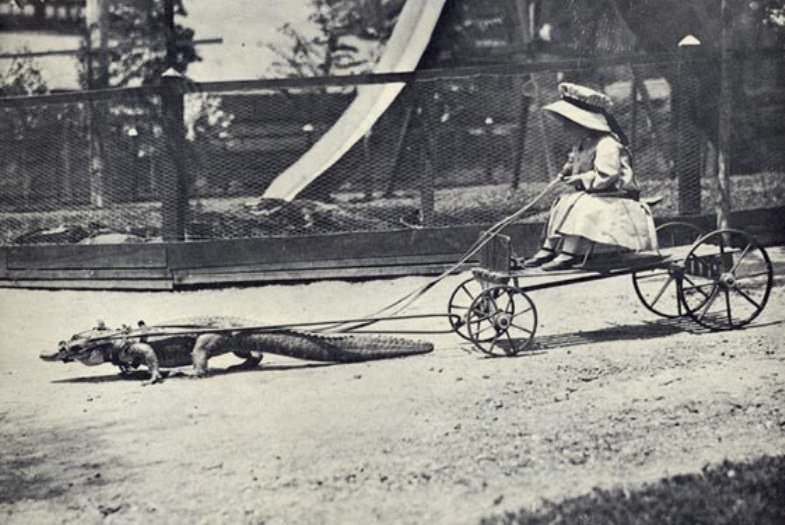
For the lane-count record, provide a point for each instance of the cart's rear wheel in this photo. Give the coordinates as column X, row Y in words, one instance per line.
column 727, row 278
column 502, row 321
column 458, row 306
column 658, row 289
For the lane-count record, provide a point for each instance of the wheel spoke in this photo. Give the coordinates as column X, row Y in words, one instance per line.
column 697, row 287
column 727, row 307
column 752, row 276
column 494, row 340
column 480, row 331
column 518, row 314
column 460, row 307
column 662, row 290
column 522, row 328
column 747, row 297
column 513, row 349
column 714, row 293
column 463, row 287
column 742, row 256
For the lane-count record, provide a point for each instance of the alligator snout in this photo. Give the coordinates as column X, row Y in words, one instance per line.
column 50, row 356
column 57, row 355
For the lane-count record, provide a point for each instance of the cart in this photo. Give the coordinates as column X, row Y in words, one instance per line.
column 721, row 280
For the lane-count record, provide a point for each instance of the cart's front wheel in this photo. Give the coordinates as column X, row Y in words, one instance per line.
column 502, row 321
column 727, row 278
column 458, row 306
column 658, row 289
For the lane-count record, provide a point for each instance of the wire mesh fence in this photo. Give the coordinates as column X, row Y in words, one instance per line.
column 141, row 165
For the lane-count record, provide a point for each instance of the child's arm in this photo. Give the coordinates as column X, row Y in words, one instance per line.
column 606, row 171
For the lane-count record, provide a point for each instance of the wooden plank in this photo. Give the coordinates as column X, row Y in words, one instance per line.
column 423, row 243
column 82, row 284
column 327, row 264
column 121, row 274
column 186, row 279
column 78, row 257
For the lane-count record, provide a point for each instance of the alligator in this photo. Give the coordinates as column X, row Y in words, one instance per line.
column 194, row 341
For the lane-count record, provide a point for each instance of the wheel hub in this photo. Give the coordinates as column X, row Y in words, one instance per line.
column 502, row 321
column 727, row 280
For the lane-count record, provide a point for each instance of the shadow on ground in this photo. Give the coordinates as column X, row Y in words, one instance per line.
column 628, row 332
column 43, row 463
column 730, row 493
column 142, row 375
column 638, row 331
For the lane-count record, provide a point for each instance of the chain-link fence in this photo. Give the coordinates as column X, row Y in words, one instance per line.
column 139, row 165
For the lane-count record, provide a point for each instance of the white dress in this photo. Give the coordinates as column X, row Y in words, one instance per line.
column 603, row 164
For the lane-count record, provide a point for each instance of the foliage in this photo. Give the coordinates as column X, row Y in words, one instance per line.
column 204, row 118
column 750, row 493
column 341, row 25
column 22, row 78
column 137, row 37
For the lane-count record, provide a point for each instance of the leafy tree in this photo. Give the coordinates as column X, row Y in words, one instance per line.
column 341, row 26
column 137, row 36
column 22, row 78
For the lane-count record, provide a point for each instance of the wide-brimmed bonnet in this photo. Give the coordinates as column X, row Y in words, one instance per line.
column 582, row 105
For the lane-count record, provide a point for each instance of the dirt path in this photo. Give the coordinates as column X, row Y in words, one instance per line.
column 614, row 397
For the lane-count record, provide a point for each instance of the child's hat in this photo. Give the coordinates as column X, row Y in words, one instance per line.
column 582, row 105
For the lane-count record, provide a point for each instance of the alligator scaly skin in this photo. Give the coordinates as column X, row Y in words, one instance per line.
column 344, row 348
column 300, row 344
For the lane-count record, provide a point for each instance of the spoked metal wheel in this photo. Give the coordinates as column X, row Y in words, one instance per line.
column 458, row 307
column 727, row 280
column 658, row 289
column 502, row 321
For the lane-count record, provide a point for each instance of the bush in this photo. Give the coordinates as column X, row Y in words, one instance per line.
column 738, row 493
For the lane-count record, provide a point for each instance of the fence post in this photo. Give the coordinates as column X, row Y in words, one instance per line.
column 687, row 161
column 428, row 163
column 174, row 187
column 723, row 204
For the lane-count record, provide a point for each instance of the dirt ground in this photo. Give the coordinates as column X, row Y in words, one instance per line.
column 613, row 397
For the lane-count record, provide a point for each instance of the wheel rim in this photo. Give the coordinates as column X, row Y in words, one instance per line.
column 658, row 289
column 502, row 321
column 458, row 306
column 727, row 280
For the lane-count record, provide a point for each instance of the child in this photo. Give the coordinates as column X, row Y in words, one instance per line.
column 604, row 211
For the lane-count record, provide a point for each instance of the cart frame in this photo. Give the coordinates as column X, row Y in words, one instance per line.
column 721, row 280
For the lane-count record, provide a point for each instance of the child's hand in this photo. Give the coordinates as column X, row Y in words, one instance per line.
column 574, row 180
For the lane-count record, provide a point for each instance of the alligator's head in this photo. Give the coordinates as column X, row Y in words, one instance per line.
column 91, row 347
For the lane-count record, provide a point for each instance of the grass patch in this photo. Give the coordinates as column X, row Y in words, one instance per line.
column 730, row 493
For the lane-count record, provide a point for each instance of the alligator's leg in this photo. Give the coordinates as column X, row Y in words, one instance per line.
column 252, row 359
column 144, row 352
column 207, row 346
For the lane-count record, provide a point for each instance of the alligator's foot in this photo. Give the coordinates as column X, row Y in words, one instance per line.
column 155, row 377
column 197, row 373
column 250, row 363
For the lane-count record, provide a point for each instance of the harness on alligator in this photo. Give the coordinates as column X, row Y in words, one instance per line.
column 194, row 341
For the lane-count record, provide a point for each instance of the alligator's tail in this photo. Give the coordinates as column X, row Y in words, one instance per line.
column 340, row 348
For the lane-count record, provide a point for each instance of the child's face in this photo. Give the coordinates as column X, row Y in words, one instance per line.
column 573, row 130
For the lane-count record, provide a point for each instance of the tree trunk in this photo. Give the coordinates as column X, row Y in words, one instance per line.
column 98, row 78
column 723, row 204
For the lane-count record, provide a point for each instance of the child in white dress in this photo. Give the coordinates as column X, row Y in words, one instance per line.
column 603, row 213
